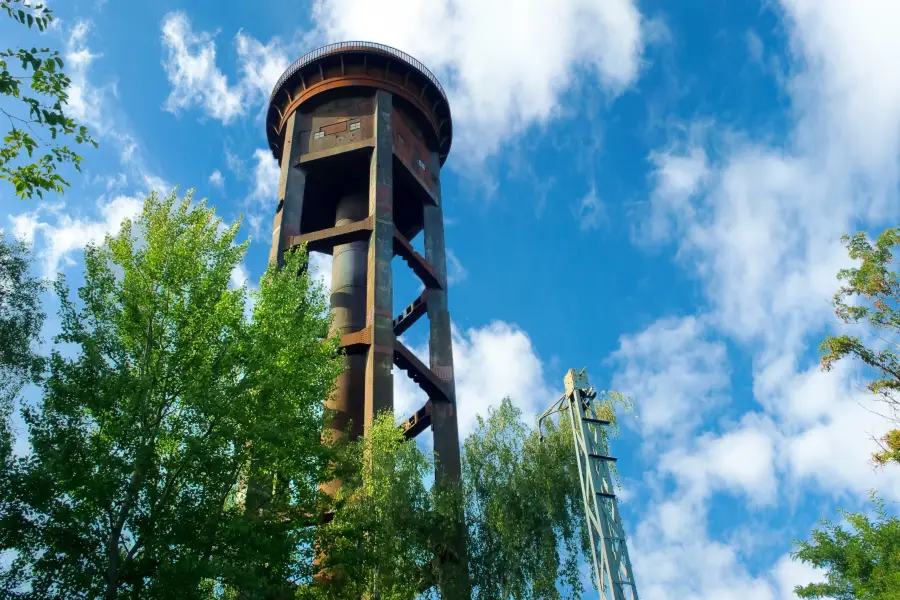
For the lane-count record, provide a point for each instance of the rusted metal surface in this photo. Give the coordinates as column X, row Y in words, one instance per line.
column 361, row 132
column 419, row 265
column 411, row 148
column 348, row 309
column 417, row 422
column 332, row 152
column 291, row 187
column 357, row 341
column 379, row 395
column 350, row 65
column 411, row 314
column 344, row 47
column 326, row 239
column 444, row 421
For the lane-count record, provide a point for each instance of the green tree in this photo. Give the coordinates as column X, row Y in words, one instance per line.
column 871, row 294
column 520, row 494
column 37, row 88
column 171, row 405
column 380, row 543
column 862, row 563
column 20, row 325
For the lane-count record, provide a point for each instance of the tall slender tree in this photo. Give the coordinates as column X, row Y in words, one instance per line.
column 170, row 402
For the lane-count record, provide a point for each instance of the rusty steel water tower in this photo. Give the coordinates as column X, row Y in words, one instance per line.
column 361, row 131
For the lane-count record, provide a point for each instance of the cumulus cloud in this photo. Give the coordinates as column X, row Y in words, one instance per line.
column 197, row 81
column 62, row 234
column 498, row 85
column 191, row 68
column 86, row 101
column 741, row 460
column 490, row 363
column 759, row 227
column 675, row 372
column 266, row 174
column 216, row 179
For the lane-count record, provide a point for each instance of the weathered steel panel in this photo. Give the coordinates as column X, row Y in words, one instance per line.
column 411, row 148
column 336, row 123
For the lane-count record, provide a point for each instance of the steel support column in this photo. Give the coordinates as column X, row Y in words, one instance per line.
column 444, row 426
column 379, row 393
column 291, row 184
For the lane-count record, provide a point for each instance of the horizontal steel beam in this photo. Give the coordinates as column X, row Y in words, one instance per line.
column 337, row 150
column 325, row 240
column 357, row 341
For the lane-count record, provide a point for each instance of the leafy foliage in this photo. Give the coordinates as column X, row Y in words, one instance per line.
column 20, row 326
column 380, row 543
column 177, row 452
column 861, row 564
column 23, row 163
column 871, row 294
column 522, row 504
column 21, row 319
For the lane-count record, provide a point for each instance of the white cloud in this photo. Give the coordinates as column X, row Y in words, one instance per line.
column 741, row 460
column 673, row 556
column 260, row 65
column 790, row 573
column 490, row 363
column 96, row 107
column 86, row 101
column 62, row 234
column 456, row 272
column 239, row 276
column 674, row 371
column 679, row 176
column 499, row 84
column 589, row 211
column 759, row 227
column 266, row 174
column 197, row 81
column 320, row 266
column 493, row 362
column 216, row 179
column 191, row 68
column 24, row 226
column 849, row 98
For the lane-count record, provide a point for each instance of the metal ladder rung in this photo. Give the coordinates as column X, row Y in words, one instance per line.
column 602, row 457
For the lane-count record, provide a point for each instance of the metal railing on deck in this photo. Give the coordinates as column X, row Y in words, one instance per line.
column 345, row 46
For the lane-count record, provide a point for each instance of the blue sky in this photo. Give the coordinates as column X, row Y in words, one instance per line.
column 653, row 190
